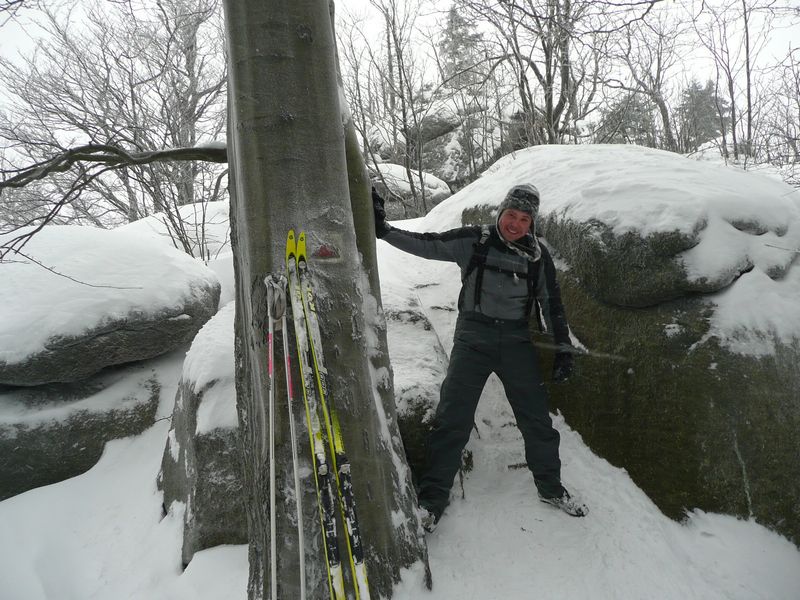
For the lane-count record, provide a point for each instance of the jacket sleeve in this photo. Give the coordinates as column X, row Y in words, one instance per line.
column 455, row 245
column 549, row 296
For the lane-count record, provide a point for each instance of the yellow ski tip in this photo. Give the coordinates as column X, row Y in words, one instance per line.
column 301, row 246
column 291, row 246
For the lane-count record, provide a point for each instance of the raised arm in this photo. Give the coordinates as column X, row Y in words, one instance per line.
column 455, row 245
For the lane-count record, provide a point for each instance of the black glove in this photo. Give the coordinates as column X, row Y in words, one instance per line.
column 378, row 210
column 563, row 365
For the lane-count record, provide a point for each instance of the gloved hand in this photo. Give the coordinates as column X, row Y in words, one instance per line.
column 563, row 365
column 379, row 212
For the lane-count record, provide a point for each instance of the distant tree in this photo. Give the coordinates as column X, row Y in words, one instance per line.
column 629, row 120
column 650, row 51
column 698, row 116
column 402, row 78
column 552, row 50
column 782, row 123
column 464, row 77
column 735, row 32
column 136, row 76
column 461, row 54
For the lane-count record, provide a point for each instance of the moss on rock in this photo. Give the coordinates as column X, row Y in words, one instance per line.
column 695, row 425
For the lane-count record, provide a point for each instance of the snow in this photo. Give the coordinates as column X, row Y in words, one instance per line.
column 95, row 276
column 121, row 390
column 210, row 364
column 204, row 224
column 102, row 535
column 737, row 216
column 623, row 550
column 396, row 179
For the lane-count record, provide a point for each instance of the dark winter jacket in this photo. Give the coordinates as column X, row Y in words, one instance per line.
column 504, row 289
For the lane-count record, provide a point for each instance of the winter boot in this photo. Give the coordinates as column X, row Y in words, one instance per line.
column 568, row 504
column 429, row 519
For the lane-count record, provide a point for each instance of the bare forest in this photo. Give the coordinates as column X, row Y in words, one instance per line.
column 136, row 126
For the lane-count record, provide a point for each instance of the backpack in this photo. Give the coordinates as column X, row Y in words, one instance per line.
column 478, row 261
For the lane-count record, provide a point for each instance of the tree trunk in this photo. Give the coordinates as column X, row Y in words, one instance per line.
column 288, row 170
column 748, row 71
column 663, row 111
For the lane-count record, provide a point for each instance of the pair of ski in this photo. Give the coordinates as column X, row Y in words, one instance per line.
column 330, row 463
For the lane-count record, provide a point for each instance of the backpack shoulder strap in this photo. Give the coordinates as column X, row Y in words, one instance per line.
column 479, row 251
column 478, row 259
column 533, row 282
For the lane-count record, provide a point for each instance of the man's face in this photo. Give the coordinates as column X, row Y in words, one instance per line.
column 514, row 224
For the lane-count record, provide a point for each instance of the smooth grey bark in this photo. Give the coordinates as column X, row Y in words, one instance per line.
column 286, row 148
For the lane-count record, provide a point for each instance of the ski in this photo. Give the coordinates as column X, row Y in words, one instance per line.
column 276, row 307
column 322, row 475
column 340, row 462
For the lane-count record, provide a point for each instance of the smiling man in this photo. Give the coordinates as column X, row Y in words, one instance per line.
column 508, row 278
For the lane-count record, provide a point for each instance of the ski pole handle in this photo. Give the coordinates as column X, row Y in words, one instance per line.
column 276, row 294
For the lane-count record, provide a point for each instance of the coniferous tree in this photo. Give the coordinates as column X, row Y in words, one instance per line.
column 460, row 49
column 630, row 120
column 699, row 118
column 464, row 76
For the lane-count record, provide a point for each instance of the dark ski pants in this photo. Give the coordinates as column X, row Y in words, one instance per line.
column 482, row 346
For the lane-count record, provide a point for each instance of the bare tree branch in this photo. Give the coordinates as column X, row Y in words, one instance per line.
column 111, row 156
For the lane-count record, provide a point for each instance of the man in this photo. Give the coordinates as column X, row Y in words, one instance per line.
column 507, row 279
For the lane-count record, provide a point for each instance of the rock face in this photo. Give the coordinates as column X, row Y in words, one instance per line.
column 202, row 471
column 417, row 376
column 51, row 433
column 694, row 424
column 133, row 337
column 94, row 307
column 201, row 463
column 602, row 260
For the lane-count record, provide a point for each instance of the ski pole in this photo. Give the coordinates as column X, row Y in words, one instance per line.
column 295, row 462
column 273, row 306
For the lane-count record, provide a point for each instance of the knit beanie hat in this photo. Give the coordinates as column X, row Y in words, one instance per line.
column 524, row 198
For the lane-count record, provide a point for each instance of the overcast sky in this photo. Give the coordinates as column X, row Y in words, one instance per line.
column 18, row 34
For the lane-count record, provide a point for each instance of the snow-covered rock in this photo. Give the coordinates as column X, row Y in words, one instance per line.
column 53, row 432
column 420, row 364
column 205, row 228
column 681, row 280
column 393, row 183
column 81, row 299
column 200, row 468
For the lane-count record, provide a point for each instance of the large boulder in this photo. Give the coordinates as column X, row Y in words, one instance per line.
column 201, row 463
column 82, row 299
column 680, row 278
column 695, row 424
column 54, row 432
column 461, row 155
column 392, row 182
column 419, row 364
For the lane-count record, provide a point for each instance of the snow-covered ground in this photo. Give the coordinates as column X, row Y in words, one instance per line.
column 101, row 535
